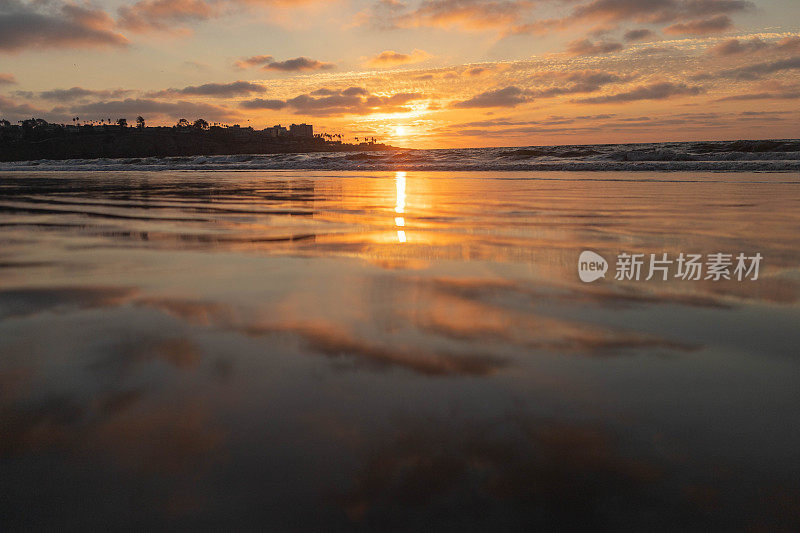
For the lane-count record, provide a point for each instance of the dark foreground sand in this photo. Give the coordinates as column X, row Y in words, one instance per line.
column 381, row 351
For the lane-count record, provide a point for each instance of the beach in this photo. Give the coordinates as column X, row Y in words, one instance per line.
column 395, row 349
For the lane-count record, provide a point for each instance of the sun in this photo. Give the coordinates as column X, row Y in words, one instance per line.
column 400, row 131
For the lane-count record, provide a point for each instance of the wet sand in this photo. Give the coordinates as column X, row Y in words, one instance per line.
column 290, row 350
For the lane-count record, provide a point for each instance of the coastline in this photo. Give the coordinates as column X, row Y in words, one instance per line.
column 114, row 142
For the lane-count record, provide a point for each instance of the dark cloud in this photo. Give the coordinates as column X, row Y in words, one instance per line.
column 552, row 120
column 326, row 102
column 11, row 110
column 585, row 47
column 217, row 90
column 298, row 64
column 263, row 103
column 656, row 11
column 324, row 92
column 759, row 70
column 7, row 79
column 735, row 46
column 253, row 61
column 79, row 93
column 579, row 81
column 508, row 97
column 355, row 91
column 639, row 35
column 144, row 106
column 786, row 95
column 652, row 50
column 55, row 24
column 655, row 91
column 769, row 90
column 789, row 44
column 334, row 104
column 163, row 15
column 174, row 15
column 716, row 24
column 702, row 15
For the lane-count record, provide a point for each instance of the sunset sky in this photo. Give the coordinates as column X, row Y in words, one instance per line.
column 432, row 73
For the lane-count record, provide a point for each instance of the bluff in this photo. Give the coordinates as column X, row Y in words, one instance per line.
column 91, row 142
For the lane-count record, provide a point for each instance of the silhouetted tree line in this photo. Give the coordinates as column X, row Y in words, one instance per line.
column 36, row 138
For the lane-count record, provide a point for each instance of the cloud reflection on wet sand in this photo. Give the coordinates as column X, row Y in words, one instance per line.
column 268, row 344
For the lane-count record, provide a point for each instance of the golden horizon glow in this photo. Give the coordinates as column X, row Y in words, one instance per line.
column 580, row 73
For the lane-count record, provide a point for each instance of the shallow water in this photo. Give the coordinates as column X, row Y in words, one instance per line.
column 296, row 350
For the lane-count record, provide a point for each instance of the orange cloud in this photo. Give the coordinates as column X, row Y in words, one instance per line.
column 351, row 101
column 473, row 15
column 172, row 15
column 390, row 58
column 163, row 15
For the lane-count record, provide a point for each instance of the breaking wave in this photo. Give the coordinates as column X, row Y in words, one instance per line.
column 719, row 156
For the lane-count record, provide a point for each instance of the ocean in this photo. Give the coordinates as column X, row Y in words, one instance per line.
column 392, row 341
column 719, row 156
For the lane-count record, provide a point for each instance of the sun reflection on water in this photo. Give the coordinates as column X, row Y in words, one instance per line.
column 400, row 205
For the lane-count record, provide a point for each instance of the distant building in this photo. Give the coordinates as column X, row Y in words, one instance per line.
column 239, row 132
column 277, row 131
column 301, row 130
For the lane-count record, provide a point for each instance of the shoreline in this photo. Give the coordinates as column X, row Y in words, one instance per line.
column 712, row 156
